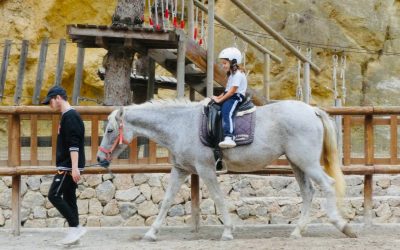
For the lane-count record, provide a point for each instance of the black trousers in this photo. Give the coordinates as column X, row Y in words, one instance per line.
column 62, row 195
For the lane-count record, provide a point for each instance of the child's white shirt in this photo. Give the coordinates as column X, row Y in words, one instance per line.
column 237, row 79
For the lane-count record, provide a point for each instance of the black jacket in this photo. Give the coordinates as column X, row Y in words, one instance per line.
column 71, row 137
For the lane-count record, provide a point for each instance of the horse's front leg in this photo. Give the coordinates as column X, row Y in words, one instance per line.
column 211, row 181
column 176, row 179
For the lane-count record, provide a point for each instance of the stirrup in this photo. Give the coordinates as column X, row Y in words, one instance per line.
column 220, row 167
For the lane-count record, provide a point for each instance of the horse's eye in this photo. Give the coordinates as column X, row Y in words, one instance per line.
column 110, row 131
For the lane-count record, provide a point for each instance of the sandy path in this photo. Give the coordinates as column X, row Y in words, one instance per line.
column 384, row 236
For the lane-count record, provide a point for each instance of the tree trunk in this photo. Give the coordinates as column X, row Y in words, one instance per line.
column 117, row 79
column 118, row 61
column 128, row 13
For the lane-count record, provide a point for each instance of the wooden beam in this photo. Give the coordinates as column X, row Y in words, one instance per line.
column 40, row 71
column 4, row 66
column 78, row 75
column 166, row 168
column 210, row 48
column 45, row 110
column 76, row 32
column 151, row 78
column 99, row 41
column 285, row 43
column 181, row 67
column 236, row 31
column 267, row 64
column 60, row 61
column 21, row 72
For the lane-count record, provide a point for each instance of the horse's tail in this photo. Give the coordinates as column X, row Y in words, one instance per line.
column 330, row 154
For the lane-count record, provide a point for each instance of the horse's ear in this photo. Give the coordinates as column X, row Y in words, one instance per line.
column 119, row 115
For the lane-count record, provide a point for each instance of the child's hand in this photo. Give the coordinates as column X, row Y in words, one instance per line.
column 215, row 99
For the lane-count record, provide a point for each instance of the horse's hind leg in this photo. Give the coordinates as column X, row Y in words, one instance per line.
column 326, row 183
column 307, row 192
column 177, row 177
column 210, row 180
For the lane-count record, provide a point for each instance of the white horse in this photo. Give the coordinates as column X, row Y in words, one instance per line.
column 301, row 132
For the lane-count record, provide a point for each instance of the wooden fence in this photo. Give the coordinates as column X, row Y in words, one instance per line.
column 364, row 163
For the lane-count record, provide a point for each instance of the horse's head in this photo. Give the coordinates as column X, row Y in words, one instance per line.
column 114, row 139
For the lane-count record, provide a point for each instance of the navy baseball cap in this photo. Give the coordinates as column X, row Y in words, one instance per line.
column 53, row 92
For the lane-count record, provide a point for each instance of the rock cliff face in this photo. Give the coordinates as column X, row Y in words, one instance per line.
column 359, row 28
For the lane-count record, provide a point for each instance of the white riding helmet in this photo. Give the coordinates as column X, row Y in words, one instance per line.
column 230, row 54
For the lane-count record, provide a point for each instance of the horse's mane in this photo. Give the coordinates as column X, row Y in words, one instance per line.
column 161, row 104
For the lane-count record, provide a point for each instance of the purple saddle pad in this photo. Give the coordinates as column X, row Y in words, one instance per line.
column 244, row 129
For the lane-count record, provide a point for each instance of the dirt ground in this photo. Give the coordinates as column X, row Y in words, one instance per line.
column 318, row 236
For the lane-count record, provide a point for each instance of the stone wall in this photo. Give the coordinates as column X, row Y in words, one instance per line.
column 135, row 201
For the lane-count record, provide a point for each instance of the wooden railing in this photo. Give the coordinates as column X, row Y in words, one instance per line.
column 354, row 163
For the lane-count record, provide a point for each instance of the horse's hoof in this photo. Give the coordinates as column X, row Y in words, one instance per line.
column 295, row 235
column 227, row 237
column 348, row 231
column 149, row 237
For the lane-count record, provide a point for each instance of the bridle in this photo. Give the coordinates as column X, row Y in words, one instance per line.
column 118, row 141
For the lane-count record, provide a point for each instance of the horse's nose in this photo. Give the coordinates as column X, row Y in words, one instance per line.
column 98, row 159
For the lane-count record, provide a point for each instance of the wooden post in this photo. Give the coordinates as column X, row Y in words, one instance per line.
column 369, row 161
column 195, row 200
column 210, row 49
column 393, row 139
column 94, row 138
column 347, row 140
column 181, row 67
column 60, row 61
column 190, row 19
column 192, row 94
column 306, row 83
column 4, row 66
column 54, row 133
column 14, row 159
column 195, row 191
column 40, row 70
column 267, row 64
column 21, row 72
column 34, row 140
column 151, row 78
column 78, row 75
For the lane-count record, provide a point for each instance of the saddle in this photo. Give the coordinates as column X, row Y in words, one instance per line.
column 211, row 130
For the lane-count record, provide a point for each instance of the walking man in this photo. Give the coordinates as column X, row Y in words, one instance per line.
column 70, row 161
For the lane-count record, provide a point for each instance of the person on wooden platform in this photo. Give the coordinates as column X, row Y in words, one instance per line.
column 70, row 161
column 234, row 93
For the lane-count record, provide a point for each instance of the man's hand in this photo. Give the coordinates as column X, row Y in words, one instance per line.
column 76, row 175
